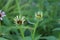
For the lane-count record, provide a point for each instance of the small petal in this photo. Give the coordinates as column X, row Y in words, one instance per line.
column 3, row 14
column 23, row 19
column 17, row 17
column 1, row 18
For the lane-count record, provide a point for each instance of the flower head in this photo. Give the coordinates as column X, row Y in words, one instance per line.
column 2, row 14
column 19, row 20
column 38, row 15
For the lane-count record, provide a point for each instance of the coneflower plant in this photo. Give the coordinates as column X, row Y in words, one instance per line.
column 29, row 19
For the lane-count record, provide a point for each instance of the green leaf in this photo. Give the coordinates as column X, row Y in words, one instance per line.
column 56, row 29
column 6, row 21
column 28, row 38
column 3, row 38
column 49, row 38
column 37, row 37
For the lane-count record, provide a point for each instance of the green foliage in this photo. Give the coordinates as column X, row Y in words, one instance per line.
column 46, row 28
column 3, row 39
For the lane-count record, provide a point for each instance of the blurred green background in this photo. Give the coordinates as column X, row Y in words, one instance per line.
column 46, row 29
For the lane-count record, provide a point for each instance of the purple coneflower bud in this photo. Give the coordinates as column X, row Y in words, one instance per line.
column 2, row 14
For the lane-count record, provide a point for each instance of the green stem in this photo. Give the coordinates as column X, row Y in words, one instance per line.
column 18, row 6
column 0, row 23
column 33, row 35
column 22, row 33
